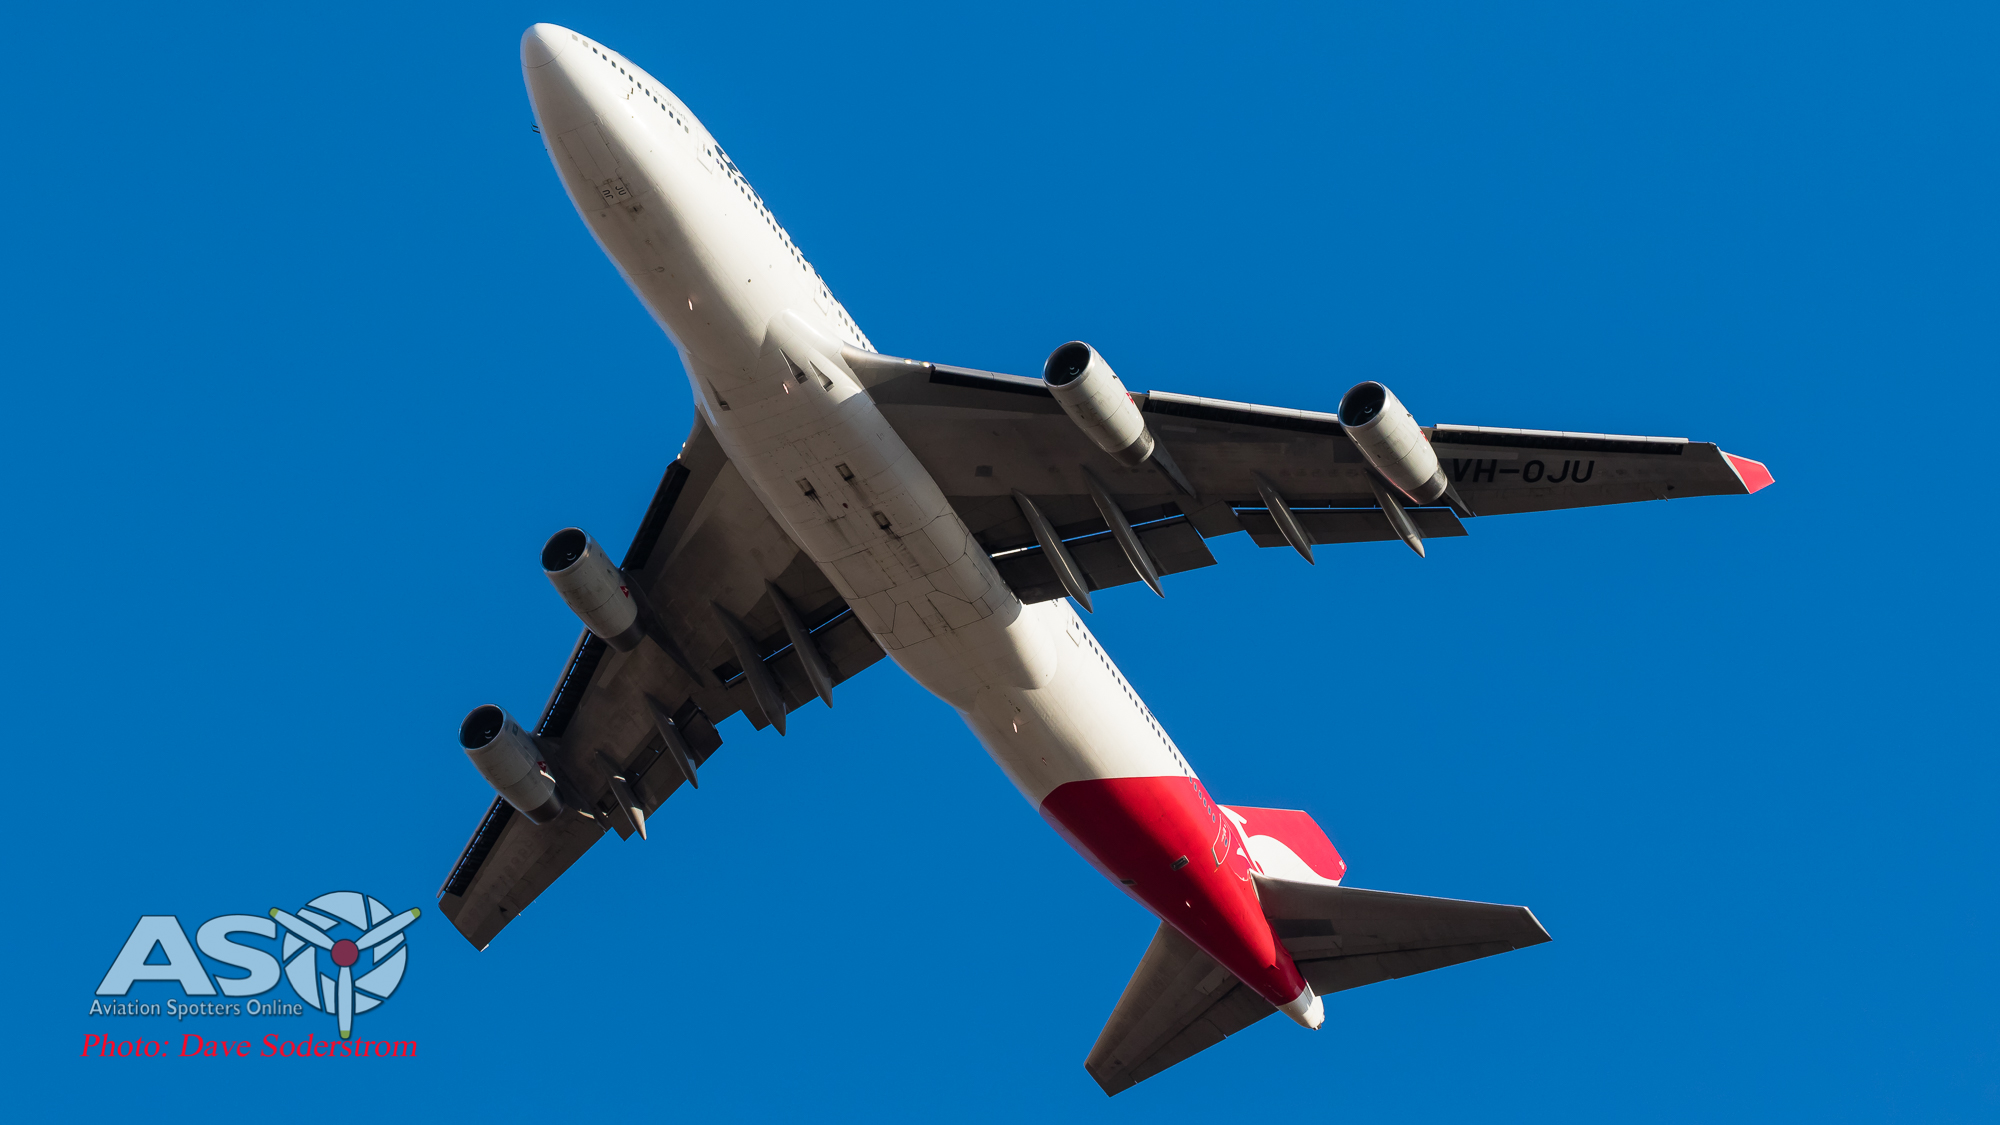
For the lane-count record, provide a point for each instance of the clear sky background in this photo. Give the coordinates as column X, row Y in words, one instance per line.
column 308, row 353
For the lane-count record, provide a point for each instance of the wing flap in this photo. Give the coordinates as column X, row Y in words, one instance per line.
column 1348, row 525
column 1174, row 545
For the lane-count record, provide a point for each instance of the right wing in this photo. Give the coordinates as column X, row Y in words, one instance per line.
column 706, row 538
column 1181, row 1001
column 984, row 435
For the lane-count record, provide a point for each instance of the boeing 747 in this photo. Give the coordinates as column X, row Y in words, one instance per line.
column 835, row 505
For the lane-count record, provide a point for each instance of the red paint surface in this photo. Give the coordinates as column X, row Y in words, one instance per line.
column 1753, row 473
column 1299, row 832
column 1134, row 828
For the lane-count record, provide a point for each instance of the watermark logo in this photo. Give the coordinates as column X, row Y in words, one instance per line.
column 343, row 953
column 311, row 932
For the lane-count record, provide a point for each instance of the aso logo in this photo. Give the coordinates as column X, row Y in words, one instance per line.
column 343, row 954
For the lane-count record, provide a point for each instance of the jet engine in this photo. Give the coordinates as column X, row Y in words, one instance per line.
column 1091, row 393
column 510, row 761
column 594, row 589
column 1389, row 438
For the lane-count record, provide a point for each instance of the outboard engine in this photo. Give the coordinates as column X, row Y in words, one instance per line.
column 1094, row 398
column 595, row 590
column 1391, row 441
column 510, row 761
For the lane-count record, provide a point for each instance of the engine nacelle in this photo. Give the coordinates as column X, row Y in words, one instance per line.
column 1391, row 441
column 507, row 757
column 1091, row 393
column 595, row 590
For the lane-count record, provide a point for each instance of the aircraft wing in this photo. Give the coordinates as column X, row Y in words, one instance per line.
column 706, row 538
column 1180, row 1001
column 984, row 435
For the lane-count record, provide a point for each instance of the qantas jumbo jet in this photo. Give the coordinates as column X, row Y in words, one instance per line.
column 834, row 505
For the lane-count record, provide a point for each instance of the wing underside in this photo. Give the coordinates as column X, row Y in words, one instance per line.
column 984, row 436
column 705, row 539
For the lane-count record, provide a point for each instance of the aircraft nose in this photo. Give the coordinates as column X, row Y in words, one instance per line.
column 541, row 44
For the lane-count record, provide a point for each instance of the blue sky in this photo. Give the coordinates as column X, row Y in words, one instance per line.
column 309, row 353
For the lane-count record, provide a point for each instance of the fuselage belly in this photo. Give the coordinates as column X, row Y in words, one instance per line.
column 760, row 336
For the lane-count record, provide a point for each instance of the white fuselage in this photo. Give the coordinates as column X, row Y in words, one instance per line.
column 750, row 316
column 760, row 336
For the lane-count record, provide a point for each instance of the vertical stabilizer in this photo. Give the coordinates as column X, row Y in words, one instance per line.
column 1288, row 844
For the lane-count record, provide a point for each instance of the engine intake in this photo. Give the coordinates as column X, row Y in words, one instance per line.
column 510, row 761
column 1094, row 398
column 595, row 590
column 1392, row 442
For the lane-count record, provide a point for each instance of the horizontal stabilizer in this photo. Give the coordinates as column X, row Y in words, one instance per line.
column 1181, row 1002
column 1345, row 937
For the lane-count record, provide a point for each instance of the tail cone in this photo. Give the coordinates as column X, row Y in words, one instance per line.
column 1306, row 1009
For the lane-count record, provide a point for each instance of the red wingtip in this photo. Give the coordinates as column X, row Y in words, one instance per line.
column 1753, row 473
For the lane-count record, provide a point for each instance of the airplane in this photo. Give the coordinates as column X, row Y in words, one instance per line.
column 834, row 505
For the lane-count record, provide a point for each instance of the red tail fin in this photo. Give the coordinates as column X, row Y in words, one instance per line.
column 1287, row 844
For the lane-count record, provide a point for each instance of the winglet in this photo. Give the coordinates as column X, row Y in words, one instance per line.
column 1753, row 474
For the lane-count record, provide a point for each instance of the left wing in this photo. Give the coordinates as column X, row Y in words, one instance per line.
column 983, row 436
column 705, row 540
